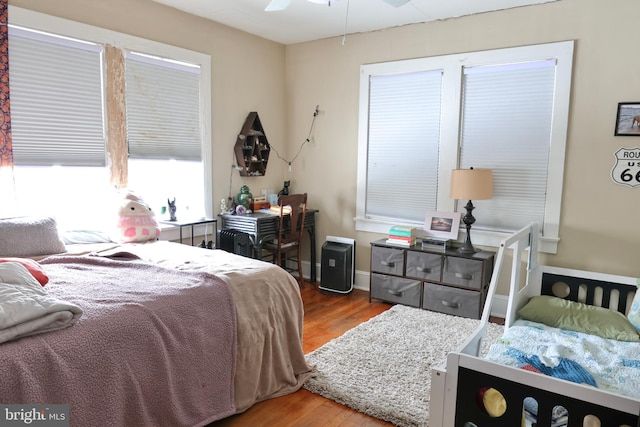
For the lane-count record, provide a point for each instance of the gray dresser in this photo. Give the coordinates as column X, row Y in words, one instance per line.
column 448, row 282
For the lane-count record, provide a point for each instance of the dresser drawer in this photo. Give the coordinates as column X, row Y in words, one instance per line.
column 459, row 302
column 387, row 260
column 424, row 265
column 395, row 289
column 463, row 272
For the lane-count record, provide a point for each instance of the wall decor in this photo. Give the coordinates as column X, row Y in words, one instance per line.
column 443, row 225
column 628, row 119
column 626, row 170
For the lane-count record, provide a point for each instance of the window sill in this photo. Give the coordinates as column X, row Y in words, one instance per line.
column 488, row 238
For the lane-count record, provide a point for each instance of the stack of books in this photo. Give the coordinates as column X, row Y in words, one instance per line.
column 402, row 235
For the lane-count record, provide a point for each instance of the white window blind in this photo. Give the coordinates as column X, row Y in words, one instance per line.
column 56, row 100
column 404, row 136
column 506, row 126
column 163, row 108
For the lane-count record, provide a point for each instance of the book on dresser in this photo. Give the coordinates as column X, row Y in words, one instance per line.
column 402, row 236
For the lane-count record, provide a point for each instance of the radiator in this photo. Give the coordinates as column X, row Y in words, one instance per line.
column 235, row 241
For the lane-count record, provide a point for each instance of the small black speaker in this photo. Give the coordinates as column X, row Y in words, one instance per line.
column 337, row 272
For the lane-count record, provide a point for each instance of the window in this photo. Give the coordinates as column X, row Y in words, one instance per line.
column 504, row 109
column 58, row 119
column 404, row 117
column 163, row 131
column 57, row 128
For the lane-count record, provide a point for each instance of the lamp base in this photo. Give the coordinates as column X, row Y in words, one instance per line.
column 467, row 247
column 468, row 219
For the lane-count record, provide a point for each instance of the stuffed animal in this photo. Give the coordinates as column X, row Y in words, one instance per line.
column 285, row 189
column 172, row 209
column 136, row 220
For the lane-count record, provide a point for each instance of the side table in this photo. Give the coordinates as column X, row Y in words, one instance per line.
column 192, row 224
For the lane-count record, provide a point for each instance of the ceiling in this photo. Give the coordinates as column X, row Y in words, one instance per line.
column 305, row 21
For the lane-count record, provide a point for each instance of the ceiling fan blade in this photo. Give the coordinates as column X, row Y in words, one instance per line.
column 396, row 3
column 277, row 5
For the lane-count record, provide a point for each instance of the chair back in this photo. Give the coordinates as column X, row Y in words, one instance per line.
column 292, row 225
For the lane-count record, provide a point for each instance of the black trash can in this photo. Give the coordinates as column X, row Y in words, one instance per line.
column 337, row 273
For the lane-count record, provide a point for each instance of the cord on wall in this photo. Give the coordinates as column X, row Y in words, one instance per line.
column 233, row 168
column 309, row 137
column 346, row 21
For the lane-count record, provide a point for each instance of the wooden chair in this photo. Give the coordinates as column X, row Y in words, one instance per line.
column 291, row 227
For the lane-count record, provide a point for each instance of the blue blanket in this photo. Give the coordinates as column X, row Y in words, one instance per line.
column 574, row 356
column 566, row 369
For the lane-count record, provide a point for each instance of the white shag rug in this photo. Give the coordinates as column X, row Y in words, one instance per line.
column 383, row 367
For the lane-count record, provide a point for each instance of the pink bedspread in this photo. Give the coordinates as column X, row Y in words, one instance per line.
column 270, row 361
column 155, row 347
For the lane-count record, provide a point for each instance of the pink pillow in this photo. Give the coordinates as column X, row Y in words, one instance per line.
column 32, row 266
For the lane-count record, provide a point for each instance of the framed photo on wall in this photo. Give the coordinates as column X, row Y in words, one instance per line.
column 442, row 225
column 628, row 119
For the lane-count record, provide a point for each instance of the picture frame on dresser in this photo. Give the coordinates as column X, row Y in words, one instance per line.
column 442, row 225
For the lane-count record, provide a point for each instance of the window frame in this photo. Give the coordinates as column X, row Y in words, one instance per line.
column 64, row 27
column 452, row 66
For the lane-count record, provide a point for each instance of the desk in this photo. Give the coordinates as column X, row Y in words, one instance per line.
column 263, row 226
column 192, row 224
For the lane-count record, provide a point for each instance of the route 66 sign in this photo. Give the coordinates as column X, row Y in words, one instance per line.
column 626, row 171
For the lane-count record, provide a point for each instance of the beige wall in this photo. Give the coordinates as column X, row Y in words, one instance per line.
column 597, row 228
column 284, row 84
column 247, row 72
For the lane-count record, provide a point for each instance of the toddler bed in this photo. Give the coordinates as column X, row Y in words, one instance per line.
column 168, row 335
column 559, row 363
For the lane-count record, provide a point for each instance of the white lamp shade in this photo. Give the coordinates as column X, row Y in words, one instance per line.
column 471, row 184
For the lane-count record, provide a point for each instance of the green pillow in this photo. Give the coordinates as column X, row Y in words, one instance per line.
column 579, row 317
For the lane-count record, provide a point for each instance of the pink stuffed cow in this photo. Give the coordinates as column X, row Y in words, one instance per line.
column 136, row 221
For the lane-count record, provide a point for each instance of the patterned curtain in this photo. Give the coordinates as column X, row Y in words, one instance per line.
column 116, row 115
column 6, row 151
column 7, row 190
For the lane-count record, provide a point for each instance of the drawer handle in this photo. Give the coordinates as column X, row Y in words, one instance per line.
column 450, row 304
column 387, row 263
column 395, row 293
column 464, row 276
column 425, row 269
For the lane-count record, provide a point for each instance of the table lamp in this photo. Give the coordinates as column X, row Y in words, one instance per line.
column 468, row 184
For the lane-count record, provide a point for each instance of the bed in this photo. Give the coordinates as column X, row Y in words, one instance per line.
column 546, row 382
column 169, row 335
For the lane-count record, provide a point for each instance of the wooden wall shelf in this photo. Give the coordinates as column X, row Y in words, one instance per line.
column 252, row 147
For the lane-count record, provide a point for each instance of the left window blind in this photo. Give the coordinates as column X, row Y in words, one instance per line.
column 56, row 100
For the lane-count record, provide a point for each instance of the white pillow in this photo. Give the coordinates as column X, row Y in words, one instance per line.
column 29, row 236
column 72, row 237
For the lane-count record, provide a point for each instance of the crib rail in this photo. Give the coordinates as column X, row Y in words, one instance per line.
column 603, row 290
column 515, row 385
column 523, row 248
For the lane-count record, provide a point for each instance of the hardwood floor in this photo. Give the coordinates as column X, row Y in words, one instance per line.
column 327, row 316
